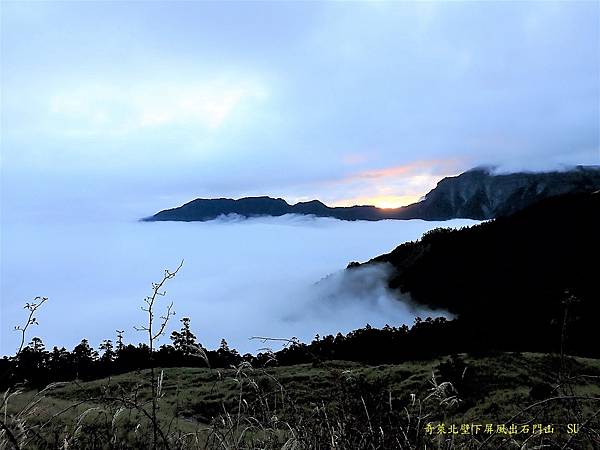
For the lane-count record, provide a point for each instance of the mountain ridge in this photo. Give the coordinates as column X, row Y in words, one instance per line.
column 475, row 194
column 521, row 272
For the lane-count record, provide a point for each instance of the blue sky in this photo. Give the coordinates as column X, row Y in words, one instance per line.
column 124, row 108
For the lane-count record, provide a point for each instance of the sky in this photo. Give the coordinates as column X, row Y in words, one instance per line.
column 113, row 109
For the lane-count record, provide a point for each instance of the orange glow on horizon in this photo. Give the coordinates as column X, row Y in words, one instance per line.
column 381, row 201
column 390, row 187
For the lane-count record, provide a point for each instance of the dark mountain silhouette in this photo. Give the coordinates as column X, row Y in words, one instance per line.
column 479, row 194
column 476, row 194
column 203, row 209
column 512, row 280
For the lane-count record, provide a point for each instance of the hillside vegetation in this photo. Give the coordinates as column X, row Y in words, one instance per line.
column 334, row 405
column 516, row 282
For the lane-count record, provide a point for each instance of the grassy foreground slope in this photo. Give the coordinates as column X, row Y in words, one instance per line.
column 335, row 405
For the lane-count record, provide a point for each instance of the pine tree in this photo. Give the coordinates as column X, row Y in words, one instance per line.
column 84, row 357
column 120, row 345
column 108, row 354
column 184, row 341
column 37, row 345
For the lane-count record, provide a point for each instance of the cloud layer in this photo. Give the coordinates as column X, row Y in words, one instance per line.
column 257, row 277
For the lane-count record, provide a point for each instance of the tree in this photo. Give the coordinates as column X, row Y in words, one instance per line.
column 120, row 344
column 108, row 354
column 37, row 345
column 226, row 357
column 32, row 361
column 224, row 346
column 184, row 341
column 84, row 357
column 60, row 364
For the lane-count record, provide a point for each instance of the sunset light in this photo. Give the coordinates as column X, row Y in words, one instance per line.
column 382, row 201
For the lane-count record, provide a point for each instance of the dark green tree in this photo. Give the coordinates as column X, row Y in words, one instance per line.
column 32, row 360
column 120, row 344
column 84, row 357
column 107, row 349
column 184, row 340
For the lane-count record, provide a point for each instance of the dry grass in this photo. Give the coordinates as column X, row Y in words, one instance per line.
column 338, row 406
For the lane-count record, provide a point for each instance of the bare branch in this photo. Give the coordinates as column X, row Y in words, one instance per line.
column 31, row 320
column 165, row 320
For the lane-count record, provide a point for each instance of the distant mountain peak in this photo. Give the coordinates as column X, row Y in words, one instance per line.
column 478, row 193
column 311, row 202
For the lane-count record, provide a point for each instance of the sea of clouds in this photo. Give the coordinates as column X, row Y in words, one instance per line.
column 277, row 277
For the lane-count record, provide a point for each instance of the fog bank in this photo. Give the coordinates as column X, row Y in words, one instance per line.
column 277, row 277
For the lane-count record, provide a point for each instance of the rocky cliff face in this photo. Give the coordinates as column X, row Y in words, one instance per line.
column 479, row 194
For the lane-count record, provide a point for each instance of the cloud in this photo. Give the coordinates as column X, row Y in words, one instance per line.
column 359, row 293
column 391, row 187
column 255, row 277
column 109, row 108
column 430, row 166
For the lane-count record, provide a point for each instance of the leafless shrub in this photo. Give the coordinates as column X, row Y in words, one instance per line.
column 154, row 333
